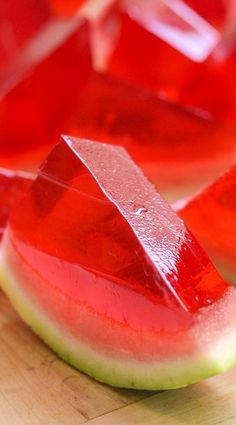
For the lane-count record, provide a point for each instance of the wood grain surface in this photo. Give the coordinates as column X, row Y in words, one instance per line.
column 37, row 388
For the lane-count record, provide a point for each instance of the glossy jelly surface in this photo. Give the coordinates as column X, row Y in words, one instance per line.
column 178, row 149
column 12, row 187
column 212, row 218
column 19, row 21
column 94, row 228
column 169, row 47
column 40, row 88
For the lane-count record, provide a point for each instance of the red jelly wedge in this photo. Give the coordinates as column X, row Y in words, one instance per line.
column 19, row 21
column 211, row 216
column 108, row 275
column 12, row 187
column 39, row 89
column 167, row 46
column 177, row 149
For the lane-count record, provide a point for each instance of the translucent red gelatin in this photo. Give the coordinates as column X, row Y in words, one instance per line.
column 177, row 149
column 39, row 89
column 104, row 23
column 19, row 21
column 213, row 11
column 95, row 230
column 211, row 216
column 66, row 7
column 167, row 46
column 12, row 187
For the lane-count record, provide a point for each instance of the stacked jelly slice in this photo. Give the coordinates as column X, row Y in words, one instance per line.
column 103, row 270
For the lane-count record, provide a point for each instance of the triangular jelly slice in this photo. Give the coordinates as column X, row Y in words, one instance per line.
column 12, row 187
column 179, row 150
column 39, row 89
column 105, row 271
column 141, row 240
column 211, row 217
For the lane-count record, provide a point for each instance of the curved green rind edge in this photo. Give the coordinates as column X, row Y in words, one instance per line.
column 119, row 373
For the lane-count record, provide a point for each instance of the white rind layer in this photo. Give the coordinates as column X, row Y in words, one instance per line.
column 129, row 373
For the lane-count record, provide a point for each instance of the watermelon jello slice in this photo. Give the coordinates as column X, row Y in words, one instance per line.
column 211, row 216
column 108, row 275
column 13, row 185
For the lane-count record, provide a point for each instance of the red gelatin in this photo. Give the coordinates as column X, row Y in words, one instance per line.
column 19, row 21
column 40, row 89
column 66, row 7
column 156, row 34
column 104, row 24
column 12, row 187
column 104, row 270
column 213, row 11
column 177, row 149
column 211, row 216
column 92, row 217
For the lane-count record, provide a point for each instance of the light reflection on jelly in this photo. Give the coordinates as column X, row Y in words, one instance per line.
column 178, row 25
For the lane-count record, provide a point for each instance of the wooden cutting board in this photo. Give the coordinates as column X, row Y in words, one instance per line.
column 37, row 388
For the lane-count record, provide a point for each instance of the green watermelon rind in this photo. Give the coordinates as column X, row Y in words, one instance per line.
column 127, row 374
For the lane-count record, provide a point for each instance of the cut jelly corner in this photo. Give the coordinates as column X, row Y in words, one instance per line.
column 211, row 216
column 154, row 34
column 13, row 184
column 104, row 24
column 38, row 90
column 178, row 149
column 101, row 267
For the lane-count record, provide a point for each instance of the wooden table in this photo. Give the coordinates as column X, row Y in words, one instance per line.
column 37, row 388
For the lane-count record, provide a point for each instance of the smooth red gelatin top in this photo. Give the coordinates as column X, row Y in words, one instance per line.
column 12, row 187
column 211, row 216
column 19, row 21
column 93, row 227
column 40, row 88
